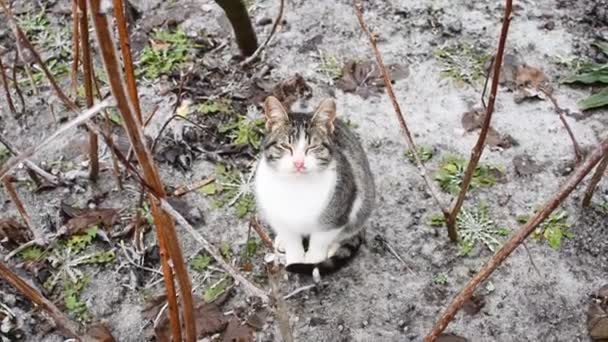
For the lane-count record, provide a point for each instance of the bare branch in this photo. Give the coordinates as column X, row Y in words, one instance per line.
column 391, row 94
column 45, row 143
column 560, row 111
column 273, row 30
column 7, row 91
column 67, row 327
column 520, row 235
column 479, row 146
column 597, row 176
column 241, row 25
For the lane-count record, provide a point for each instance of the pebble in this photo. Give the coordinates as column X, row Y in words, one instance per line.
column 263, row 21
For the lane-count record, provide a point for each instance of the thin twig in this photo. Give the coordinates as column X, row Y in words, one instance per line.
column 65, row 325
column 516, row 239
column 249, row 287
column 16, row 84
column 45, row 143
column 10, row 190
column 75, row 47
column 7, row 91
column 560, row 111
column 22, row 38
column 87, row 72
column 165, row 229
column 29, row 164
column 273, row 30
column 258, row 228
column 481, row 140
column 125, row 49
column 299, row 290
column 597, row 176
column 391, row 94
column 192, row 187
column 274, row 276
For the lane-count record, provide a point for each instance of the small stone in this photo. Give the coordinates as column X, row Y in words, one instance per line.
column 454, row 26
column 263, row 21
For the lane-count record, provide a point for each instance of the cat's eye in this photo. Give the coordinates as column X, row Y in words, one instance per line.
column 313, row 148
column 286, row 147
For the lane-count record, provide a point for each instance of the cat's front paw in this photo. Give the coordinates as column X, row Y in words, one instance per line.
column 279, row 244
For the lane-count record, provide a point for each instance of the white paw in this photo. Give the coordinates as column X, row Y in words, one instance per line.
column 294, row 257
column 279, row 244
column 333, row 249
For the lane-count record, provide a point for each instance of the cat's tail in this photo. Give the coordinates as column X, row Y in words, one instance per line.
column 345, row 253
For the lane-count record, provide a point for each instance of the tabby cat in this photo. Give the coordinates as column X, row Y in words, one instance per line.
column 313, row 186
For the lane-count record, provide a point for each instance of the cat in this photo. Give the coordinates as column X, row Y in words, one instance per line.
column 313, row 186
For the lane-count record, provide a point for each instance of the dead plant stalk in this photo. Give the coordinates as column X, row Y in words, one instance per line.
column 520, row 235
column 595, row 179
column 164, row 225
column 481, row 140
column 399, row 115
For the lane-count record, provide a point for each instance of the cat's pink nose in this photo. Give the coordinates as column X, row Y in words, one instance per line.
column 298, row 164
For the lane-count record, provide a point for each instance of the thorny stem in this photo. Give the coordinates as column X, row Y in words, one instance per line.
column 10, row 190
column 479, row 146
column 520, row 235
column 391, row 93
column 597, row 176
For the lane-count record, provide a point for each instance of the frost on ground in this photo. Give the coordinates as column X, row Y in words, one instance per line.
column 408, row 271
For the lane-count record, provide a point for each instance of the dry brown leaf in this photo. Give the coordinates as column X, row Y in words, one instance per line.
column 450, row 338
column 496, row 139
column 365, row 79
column 597, row 316
column 472, row 120
column 237, row 332
column 98, row 333
column 81, row 219
column 208, row 316
column 287, row 91
column 526, row 81
column 13, row 232
column 474, row 304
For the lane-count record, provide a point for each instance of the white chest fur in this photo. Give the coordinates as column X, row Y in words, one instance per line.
column 293, row 202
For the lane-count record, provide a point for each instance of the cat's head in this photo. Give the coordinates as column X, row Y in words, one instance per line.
column 299, row 143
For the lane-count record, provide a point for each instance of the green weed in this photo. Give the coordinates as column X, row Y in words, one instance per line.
column 169, row 52
column 214, row 291
column 200, row 262
column 451, row 173
column 330, row 65
column 589, row 73
column 462, row 62
column 475, row 226
column 244, row 131
column 440, row 279
column 232, row 189
column 424, row 152
column 553, row 230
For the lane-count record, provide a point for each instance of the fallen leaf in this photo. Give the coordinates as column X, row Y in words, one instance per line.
column 525, row 165
column 209, row 317
column 472, row 119
column 597, row 315
column 473, row 305
column 98, row 333
column 13, row 232
column 526, row 81
column 79, row 219
column 191, row 213
column 365, row 79
column 496, row 139
column 237, row 332
column 257, row 319
column 450, row 338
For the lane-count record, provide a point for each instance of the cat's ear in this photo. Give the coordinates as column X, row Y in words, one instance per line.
column 275, row 113
column 325, row 115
